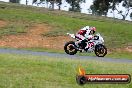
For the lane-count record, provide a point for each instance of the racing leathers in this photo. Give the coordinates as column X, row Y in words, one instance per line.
column 84, row 36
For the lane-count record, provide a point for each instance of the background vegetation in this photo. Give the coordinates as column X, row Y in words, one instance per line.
column 117, row 33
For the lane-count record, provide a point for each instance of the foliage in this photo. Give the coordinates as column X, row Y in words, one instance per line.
column 59, row 2
column 75, row 5
column 14, row 1
column 101, row 7
column 123, row 13
column 131, row 15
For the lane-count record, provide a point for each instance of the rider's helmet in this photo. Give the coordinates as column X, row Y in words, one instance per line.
column 86, row 28
column 93, row 30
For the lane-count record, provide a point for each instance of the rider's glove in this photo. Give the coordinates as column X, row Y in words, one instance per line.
column 72, row 35
column 96, row 37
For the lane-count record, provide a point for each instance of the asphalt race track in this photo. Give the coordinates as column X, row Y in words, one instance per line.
column 58, row 55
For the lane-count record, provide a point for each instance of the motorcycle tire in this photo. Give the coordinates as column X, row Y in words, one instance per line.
column 69, row 51
column 100, row 50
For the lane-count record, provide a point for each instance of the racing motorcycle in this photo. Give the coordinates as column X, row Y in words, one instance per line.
column 97, row 46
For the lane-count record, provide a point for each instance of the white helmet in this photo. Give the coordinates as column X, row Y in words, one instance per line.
column 85, row 28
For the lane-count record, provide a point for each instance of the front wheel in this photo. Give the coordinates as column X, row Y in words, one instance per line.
column 100, row 50
column 70, row 48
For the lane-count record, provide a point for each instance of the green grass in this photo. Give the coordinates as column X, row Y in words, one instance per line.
column 124, row 55
column 26, row 71
column 14, row 28
column 116, row 33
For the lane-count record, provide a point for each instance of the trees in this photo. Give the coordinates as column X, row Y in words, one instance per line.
column 26, row 2
column 126, row 4
column 14, row 1
column 130, row 15
column 52, row 2
column 101, row 7
column 75, row 5
column 59, row 3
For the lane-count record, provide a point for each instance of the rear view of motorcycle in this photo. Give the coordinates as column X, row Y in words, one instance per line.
column 96, row 45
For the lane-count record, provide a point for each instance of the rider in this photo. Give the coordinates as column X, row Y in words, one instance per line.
column 84, row 35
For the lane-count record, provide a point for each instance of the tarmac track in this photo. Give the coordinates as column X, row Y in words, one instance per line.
column 58, row 55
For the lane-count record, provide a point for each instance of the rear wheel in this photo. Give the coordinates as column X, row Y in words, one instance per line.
column 100, row 50
column 69, row 48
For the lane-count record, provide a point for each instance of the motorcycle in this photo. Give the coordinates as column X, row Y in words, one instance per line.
column 97, row 46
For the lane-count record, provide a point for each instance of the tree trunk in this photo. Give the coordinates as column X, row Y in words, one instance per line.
column 26, row 2
column 124, row 17
column 72, row 4
column 59, row 6
column 47, row 3
column 52, row 3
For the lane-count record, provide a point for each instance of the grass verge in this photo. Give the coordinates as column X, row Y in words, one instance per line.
column 25, row 71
